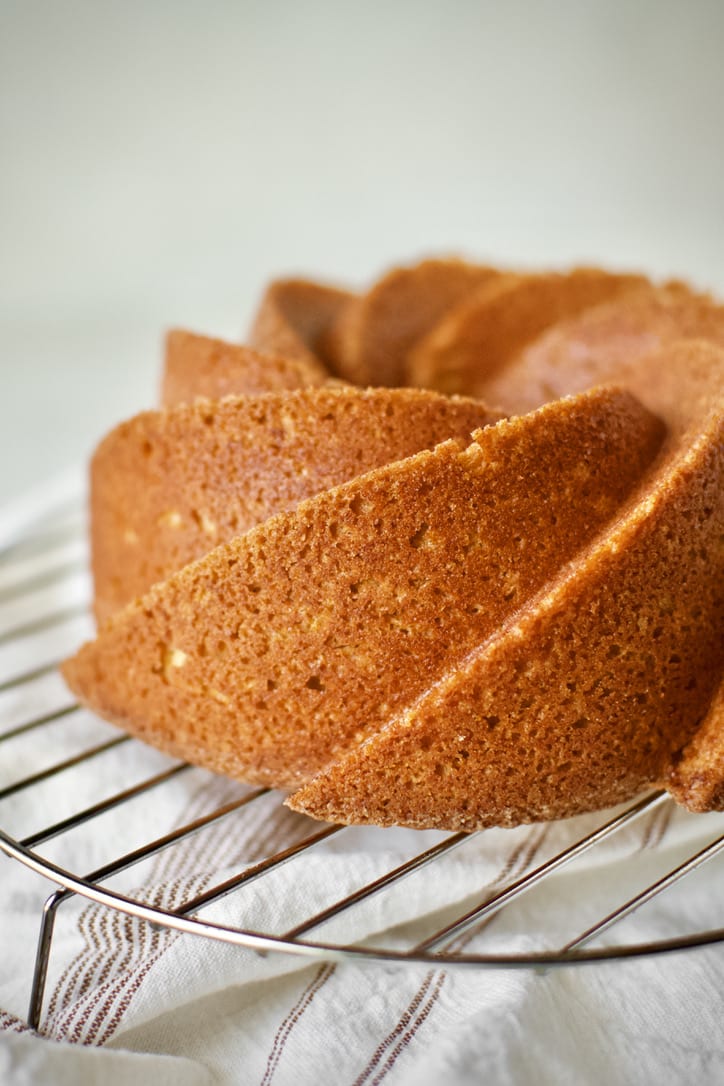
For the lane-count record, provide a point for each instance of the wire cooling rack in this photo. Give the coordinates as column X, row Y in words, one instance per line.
column 49, row 555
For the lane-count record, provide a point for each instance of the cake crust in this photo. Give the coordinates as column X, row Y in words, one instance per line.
column 294, row 317
column 169, row 486
column 199, row 367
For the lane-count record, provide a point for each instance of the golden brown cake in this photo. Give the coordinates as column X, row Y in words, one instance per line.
column 407, row 624
column 330, row 618
column 168, row 486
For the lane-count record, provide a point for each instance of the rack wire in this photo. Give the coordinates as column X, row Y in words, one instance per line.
column 48, row 556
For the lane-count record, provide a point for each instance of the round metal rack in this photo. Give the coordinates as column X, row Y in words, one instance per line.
column 50, row 553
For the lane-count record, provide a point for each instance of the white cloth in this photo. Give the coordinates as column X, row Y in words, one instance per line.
column 127, row 1002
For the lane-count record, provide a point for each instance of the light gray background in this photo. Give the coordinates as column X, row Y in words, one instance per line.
column 159, row 161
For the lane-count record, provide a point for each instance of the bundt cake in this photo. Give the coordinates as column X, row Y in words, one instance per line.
column 411, row 608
